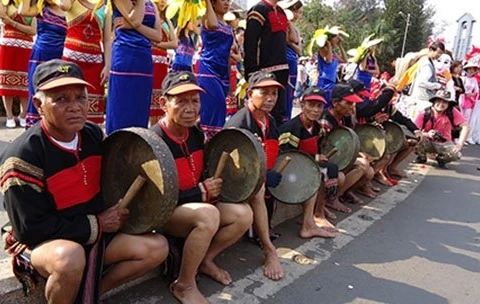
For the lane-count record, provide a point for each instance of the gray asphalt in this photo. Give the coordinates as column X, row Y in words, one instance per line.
column 426, row 250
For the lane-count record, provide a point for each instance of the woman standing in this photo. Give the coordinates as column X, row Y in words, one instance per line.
column 51, row 33
column 131, row 74
column 86, row 31
column 213, row 71
column 456, row 71
column 470, row 104
column 186, row 48
column 160, row 60
column 16, row 43
column 328, row 62
column 294, row 49
column 367, row 68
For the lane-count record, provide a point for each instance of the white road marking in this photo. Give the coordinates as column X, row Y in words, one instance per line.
column 255, row 288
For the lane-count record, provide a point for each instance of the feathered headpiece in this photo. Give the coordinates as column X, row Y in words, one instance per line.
column 321, row 36
column 358, row 54
column 188, row 10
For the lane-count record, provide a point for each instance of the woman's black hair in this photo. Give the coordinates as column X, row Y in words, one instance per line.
column 437, row 45
column 455, row 64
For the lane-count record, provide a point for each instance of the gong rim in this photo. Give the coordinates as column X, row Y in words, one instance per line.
column 348, row 147
column 394, row 135
column 123, row 153
column 301, row 178
column 238, row 185
column 372, row 140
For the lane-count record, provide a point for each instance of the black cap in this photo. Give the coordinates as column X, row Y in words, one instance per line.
column 345, row 92
column 57, row 73
column 261, row 79
column 359, row 88
column 180, row 82
column 314, row 94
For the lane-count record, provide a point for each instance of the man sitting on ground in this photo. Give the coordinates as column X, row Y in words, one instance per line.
column 209, row 226
column 50, row 177
column 343, row 106
column 436, row 123
column 303, row 133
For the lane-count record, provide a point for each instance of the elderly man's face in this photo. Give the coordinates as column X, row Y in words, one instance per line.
column 64, row 109
column 344, row 107
column 183, row 109
column 312, row 110
column 263, row 99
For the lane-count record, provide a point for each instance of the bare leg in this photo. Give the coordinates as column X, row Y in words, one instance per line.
column 133, row 256
column 8, row 103
column 321, row 211
column 401, row 156
column 272, row 268
column 23, row 107
column 62, row 262
column 309, row 227
column 235, row 219
column 198, row 222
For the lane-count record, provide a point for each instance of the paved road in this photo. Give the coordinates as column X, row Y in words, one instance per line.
column 426, row 250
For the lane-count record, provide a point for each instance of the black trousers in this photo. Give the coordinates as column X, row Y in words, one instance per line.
column 280, row 110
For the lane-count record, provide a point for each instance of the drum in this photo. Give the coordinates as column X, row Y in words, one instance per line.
column 372, row 140
column 347, row 143
column 301, row 178
column 125, row 153
column 245, row 169
column 395, row 136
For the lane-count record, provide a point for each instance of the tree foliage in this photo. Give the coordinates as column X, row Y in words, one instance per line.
column 361, row 18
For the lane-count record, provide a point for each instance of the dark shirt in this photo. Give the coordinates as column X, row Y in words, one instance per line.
column 51, row 192
column 269, row 133
column 188, row 155
column 294, row 135
column 265, row 39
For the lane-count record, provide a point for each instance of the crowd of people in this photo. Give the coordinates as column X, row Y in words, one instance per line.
column 93, row 64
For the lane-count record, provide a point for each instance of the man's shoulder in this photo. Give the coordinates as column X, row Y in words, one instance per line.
column 94, row 131
column 260, row 7
column 292, row 125
column 24, row 153
column 239, row 119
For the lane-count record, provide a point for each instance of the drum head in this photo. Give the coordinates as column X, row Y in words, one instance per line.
column 372, row 140
column 245, row 169
column 347, row 143
column 301, row 178
column 124, row 153
column 395, row 136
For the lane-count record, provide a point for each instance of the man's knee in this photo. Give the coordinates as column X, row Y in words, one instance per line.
column 68, row 260
column 244, row 215
column 154, row 248
column 207, row 218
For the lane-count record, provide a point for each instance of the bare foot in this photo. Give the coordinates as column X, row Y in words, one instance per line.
column 216, row 273
column 396, row 172
column 325, row 224
column 373, row 188
column 329, row 214
column 272, row 268
column 383, row 180
column 315, row 231
column 365, row 191
column 352, row 199
column 338, row 206
column 187, row 294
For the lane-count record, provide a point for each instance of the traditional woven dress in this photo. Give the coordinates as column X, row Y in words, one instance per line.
column 364, row 76
column 292, row 59
column 51, row 33
column 160, row 70
column 18, row 45
column 213, row 77
column 327, row 77
column 82, row 46
column 131, row 76
column 184, row 55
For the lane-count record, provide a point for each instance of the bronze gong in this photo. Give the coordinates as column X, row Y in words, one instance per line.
column 245, row 169
column 301, row 178
column 124, row 155
column 347, row 143
column 395, row 136
column 372, row 140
